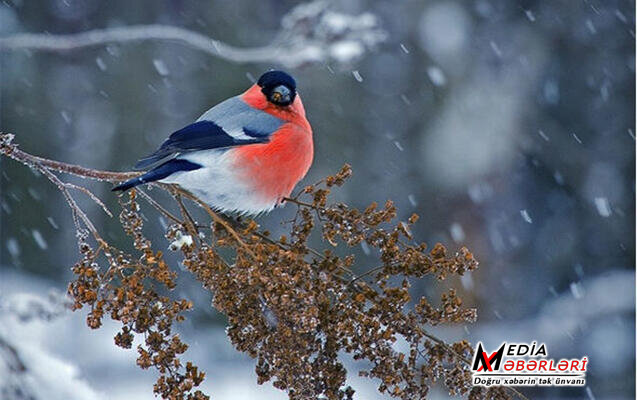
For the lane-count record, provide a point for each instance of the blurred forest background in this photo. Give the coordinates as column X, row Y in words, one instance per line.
column 508, row 126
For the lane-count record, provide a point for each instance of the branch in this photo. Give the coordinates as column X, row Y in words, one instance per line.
column 309, row 33
column 11, row 150
column 134, row 33
column 243, row 240
column 215, row 217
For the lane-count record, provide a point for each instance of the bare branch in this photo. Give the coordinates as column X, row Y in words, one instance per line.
column 309, row 33
column 135, row 33
column 215, row 217
column 77, row 211
column 11, row 150
column 158, row 206
column 91, row 195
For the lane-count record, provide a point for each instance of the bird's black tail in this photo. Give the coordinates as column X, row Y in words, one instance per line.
column 158, row 173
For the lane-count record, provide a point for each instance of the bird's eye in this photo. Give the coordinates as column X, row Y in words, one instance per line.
column 280, row 95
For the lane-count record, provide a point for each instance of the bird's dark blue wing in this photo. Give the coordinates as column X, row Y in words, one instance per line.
column 160, row 172
column 201, row 135
column 228, row 124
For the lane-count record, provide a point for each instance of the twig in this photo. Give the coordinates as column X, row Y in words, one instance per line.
column 190, row 223
column 91, row 195
column 302, row 203
column 303, row 27
column 136, row 33
column 77, row 211
column 366, row 273
column 158, row 206
column 12, row 150
column 216, row 218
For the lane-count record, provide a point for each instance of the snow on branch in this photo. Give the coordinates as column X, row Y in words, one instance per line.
column 309, row 33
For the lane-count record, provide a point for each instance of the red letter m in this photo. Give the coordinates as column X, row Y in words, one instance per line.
column 489, row 363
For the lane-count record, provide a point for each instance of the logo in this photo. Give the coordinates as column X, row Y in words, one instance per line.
column 524, row 364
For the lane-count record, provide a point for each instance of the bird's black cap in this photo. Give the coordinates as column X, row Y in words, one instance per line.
column 278, row 87
column 275, row 78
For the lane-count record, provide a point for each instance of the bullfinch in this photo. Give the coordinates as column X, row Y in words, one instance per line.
column 243, row 155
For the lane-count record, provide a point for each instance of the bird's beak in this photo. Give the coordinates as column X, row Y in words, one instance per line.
column 281, row 94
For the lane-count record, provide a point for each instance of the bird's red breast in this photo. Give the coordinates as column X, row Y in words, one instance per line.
column 274, row 168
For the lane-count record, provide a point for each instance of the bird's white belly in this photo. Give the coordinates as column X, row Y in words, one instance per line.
column 218, row 184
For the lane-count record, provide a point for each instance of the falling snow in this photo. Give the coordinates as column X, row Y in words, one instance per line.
column 365, row 248
column 161, row 67
column 66, row 116
column 13, row 247
column 436, row 76
column 100, row 63
column 525, row 215
column 39, row 239
column 603, row 207
column 495, row 48
column 589, row 393
column 457, row 233
column 576, row 290
column 52, row 223
column 529, row 14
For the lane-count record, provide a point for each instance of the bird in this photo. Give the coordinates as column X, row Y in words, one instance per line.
column 244, row 155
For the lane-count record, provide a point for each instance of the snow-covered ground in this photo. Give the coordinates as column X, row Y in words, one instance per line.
column 49, row 353
column 63, row 359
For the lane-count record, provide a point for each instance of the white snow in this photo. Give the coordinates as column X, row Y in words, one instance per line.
column 525, row 214
column 13, row 247
column 100, row 63
column 495, row 48
column 346, row 50
column 180, row 241
column 603, row 207
column 39, row 239
column 161, row 67
column 576, row 290
column 66, row 117
column 457, row 233
column 365, row 248
column 436, row 76
column 52, row 223
column 529, row 14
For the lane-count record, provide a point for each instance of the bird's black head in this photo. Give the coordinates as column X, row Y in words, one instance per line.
column 278, row 87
